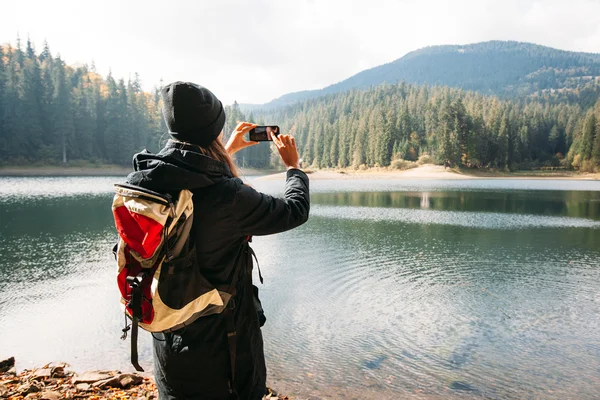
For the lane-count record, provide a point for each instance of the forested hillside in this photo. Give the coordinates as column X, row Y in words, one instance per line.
column 374, row 127
column 52, row 113
column 502, row 68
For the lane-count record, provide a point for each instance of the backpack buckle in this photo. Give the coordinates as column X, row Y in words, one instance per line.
column 231, row 303
column 133, row 281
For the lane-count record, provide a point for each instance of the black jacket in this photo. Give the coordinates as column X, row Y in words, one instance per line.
column 194, row 362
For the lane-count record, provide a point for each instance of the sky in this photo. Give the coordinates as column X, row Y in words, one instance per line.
column 256, row 50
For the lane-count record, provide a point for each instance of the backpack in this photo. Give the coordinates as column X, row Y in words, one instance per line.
column 160, row 289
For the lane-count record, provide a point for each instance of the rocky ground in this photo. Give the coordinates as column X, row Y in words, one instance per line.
column 56, row 381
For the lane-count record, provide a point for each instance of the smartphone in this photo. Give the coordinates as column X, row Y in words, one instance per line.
column 261, row 133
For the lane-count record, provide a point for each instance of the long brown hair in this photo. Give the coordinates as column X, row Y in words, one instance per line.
column 216, row 151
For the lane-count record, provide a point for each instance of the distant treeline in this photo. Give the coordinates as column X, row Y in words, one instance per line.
column 52, row 113
column 376, row 126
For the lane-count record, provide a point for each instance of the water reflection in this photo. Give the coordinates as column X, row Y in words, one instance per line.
column 425, row 200
column 557, row 203
column 486, row 220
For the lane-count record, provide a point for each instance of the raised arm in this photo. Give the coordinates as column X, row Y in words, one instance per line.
column 260, row 214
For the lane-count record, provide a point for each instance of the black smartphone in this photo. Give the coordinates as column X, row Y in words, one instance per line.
column 261, row 133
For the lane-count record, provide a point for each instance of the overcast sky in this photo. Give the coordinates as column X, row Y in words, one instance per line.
column 256, row 50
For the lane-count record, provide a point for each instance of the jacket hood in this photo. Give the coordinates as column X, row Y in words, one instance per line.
column 176, row 167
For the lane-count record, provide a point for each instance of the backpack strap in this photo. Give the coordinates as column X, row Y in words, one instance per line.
column 255, row 259
column 257, row 264
column 229, row 312
column 136, row 308
column 231, row 341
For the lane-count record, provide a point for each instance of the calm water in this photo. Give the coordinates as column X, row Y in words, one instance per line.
column 414, row 289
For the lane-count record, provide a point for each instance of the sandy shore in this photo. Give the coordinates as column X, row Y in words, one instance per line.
column 437, row 172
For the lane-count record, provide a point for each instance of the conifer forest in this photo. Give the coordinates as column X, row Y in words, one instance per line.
column 52, row 113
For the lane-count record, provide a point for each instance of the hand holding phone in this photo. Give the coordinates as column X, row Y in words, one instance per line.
column 237, row 141
column 263, row 133
column 286, row 145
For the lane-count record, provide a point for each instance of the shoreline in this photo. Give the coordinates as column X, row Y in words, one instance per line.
column 430, row 171
column 427, row 171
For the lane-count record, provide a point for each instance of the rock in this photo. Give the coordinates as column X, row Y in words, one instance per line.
column 91, row 377
column 83, row 387
column 105, row 383
column 9, row 381
column 52, row 381
column 119, row 381
column 58, row 371
column 27, row 388
column 50, row 395
column 32, row 396
column 7, row 364
column 4, row 391
column 6, row 381
column 111, row 373
column 127, row 380
column 41, row 374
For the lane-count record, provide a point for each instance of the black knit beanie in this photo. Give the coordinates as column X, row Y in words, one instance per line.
column 192, row 113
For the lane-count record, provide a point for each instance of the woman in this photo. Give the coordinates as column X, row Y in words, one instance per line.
column 195, row 362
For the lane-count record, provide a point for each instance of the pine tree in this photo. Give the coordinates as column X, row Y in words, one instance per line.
column 555, row 140
column 595, row 156
column 32, row 92
column 502, row 159
column 45, row 54
column 63, row 114
column 448, row 131
column 385, row 142
column 16, row 138
column 3, row 133
column 47, row 103
column 325, row 160
column 596, row 148
column 317, row 145
column 20, row 54
column 100, row 113
column 124, row 137
column 588, row 134
column 360, row 149
column 83, row 120
column 308, row 145
column 135, row 122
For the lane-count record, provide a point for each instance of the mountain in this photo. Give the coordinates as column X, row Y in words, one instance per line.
column 503, row 68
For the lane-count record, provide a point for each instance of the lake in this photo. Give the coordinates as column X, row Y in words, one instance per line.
column 393, row 289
